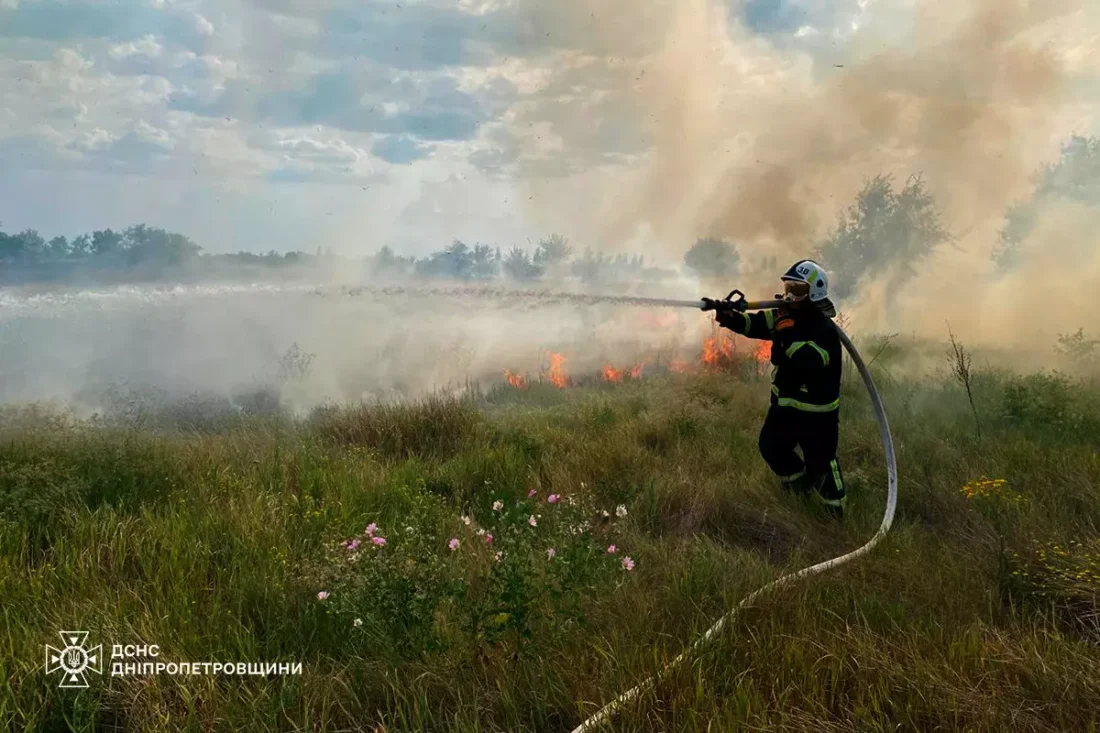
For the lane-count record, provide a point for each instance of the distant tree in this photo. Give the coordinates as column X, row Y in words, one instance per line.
column 1077, row 347
column 483, row 265
column 518, row 265
column 10, row 247
column 106, row 242
column 27, row 246
column 884, row 234
column 712, row 258
column 590, row 267
column 456, row 261
column 1075, row 177
column 459, row 260
column 387, row 262
column 58, row 248
column 81, row 246
column 149, row 245
column 552, row 254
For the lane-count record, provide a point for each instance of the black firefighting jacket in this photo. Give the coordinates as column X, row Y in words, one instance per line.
column 805, row 353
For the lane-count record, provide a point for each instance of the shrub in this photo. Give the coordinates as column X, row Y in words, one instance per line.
column 1037, row 400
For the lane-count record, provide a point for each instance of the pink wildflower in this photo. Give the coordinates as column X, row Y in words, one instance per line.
column 378, row 540
column 453, row 544
column 628, row 564
column 371, row 529
column 488, row 539
column 611, row 549
column 322, row 595
column 353, row 545
column 498, row 505
column 552, row 499
column 550, row 553
column 532, row 521
column 531, row 493
column 498, row 556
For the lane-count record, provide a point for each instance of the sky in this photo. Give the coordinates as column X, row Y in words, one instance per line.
column 626, row 125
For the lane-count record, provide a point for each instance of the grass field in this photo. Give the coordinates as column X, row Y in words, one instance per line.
column 217, row 540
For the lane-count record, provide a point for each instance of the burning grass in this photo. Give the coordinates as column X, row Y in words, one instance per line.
column 363, row 542
column 722, row 351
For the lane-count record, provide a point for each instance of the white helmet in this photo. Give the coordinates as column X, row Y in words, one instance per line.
column 813, row 274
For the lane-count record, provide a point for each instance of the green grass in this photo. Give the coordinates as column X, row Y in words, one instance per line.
column 212, row 537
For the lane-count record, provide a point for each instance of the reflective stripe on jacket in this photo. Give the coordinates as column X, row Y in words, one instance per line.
column 806, row 356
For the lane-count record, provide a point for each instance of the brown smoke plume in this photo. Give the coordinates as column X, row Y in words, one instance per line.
column 762, row 145
column 971, row 101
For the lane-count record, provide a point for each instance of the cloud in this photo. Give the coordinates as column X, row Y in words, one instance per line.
column 354, row 99
column 31, row 153
column 771, row 16
column 400, row 149
column 140, row 148
column 60, row 21
column 407, row 36
column 147, row 46
column 202, row 25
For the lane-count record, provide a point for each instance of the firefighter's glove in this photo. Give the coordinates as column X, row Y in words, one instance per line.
column 725, row 317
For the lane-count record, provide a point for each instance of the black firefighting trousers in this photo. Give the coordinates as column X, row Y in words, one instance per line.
column 816, row 434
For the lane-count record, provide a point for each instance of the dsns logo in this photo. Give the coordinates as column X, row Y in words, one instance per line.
column 74, row 659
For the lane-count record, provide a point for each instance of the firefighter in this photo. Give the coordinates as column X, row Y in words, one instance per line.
column 805, row 399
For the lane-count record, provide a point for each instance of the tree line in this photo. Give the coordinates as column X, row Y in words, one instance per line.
column 552, row 258
column 888, row 230
column 135, row 245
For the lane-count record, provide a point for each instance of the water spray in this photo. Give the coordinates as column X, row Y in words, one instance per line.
column 736, row 300
column 547, row 297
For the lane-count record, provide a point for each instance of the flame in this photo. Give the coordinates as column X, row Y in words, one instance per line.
column 611, row 374
column 557, row 374
column 717, row 349
column 519, row 381
column 718, row 352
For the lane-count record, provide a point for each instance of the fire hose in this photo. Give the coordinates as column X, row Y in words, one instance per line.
column 605, row 713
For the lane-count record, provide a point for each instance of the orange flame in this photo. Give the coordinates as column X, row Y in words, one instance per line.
column 611, row 374
column 519, row 381
column 717, row 349
column 710, row 351
column 557, row 374
column 764, row 351
column 636, row 371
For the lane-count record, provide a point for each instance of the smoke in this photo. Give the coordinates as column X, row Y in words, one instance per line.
column 309, row 344
column 650, row 123
column 762, row 141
